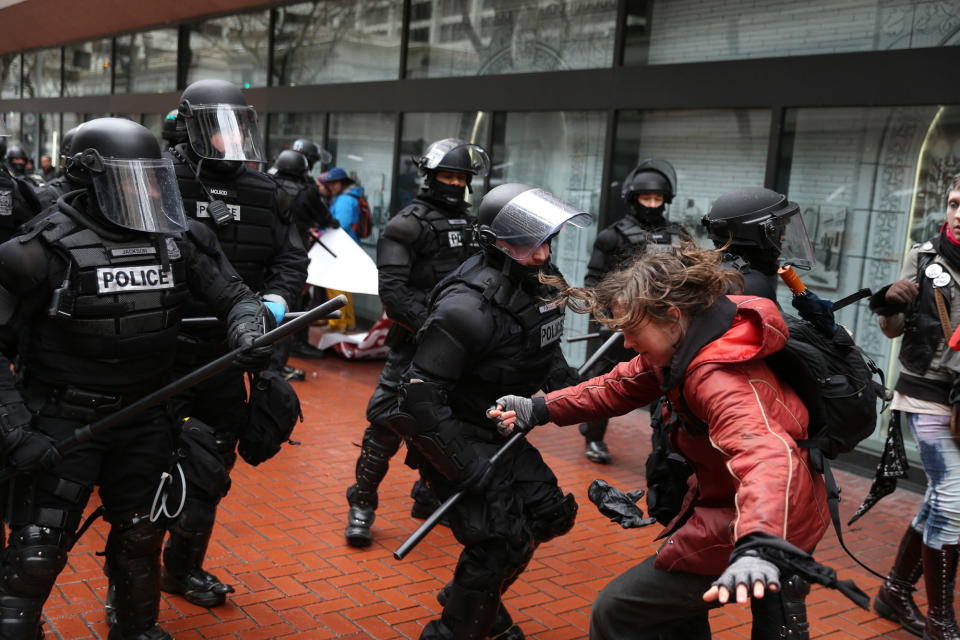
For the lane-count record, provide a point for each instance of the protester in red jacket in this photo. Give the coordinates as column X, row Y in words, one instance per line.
column 737, row 425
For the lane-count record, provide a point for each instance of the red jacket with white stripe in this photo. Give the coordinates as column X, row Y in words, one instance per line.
column 750, row 476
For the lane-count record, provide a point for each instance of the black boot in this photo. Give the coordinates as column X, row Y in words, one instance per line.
column 894, row 600
column 372, row 466
column 183, row 572
column 939, row 575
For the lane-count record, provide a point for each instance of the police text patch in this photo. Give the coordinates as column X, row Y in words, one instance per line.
column 455, row 238
column 124, row 279
column 203, row 213
column 551, row 332
column 6, row 202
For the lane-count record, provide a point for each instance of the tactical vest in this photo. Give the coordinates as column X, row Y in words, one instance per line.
column 247, row 240
column 636, row 238
column 922, row 331
column 112, row 325
column 528, row 339
column 443, row 245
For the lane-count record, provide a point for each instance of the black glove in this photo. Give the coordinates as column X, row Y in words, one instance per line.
column 247, row 321
column 27, row 450
column 620, row 507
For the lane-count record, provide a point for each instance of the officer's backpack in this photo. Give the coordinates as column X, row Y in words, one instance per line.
column 835, row 380
column 364, row 224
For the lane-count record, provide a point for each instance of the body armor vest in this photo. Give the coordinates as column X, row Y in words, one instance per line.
column 446, row 243
column 922, row 331
column 527, row 340
column 113, row 323
column 638, row 238
column 247, row 240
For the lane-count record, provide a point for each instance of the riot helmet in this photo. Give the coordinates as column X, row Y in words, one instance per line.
column 653, row 175
column 312, row 152
column 119, row 162
column 65, row 147
column 16, row 159
column 219, row 123
column 451, row 155
column 290, row 163
column 762, row 225
column 173, row 131
column 517, row 218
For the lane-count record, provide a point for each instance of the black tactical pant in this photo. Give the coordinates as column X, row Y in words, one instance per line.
column 45, row 511
column 499, row 528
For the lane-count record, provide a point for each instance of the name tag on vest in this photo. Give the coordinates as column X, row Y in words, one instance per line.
column 551, row 331
column 124, row 279
column 203, row 213
column 132, row 251
column 458, row 221
column 6, row 202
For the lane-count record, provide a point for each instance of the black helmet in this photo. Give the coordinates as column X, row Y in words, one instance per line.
column 653, row 175
column 16, row 152
column 65, row 145
column 219, row 123
column 291, row 163
column 517, row 218
column 119, row 162
column 453, row 154
column 755, row 218
column 312, row 151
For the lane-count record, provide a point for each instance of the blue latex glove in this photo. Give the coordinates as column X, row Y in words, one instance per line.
column 277, row 309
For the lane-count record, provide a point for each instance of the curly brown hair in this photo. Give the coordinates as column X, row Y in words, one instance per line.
column 689, row 280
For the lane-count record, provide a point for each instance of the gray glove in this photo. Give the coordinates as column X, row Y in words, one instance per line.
column 746, row 570
column 524, row 409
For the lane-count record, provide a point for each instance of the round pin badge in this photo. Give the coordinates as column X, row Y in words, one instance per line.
column 942, row 280
column 933, row 270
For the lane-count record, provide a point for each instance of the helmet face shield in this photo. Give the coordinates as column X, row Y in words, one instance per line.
column 530, row 219
column 794, row 243
column 140, row 194
column 453, row 154
column 224, row 132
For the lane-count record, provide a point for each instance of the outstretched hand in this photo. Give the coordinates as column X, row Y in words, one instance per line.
column 512, row 412
column 746, row 570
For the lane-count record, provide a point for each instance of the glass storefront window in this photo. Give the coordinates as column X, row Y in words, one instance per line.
column 10, row 75
column 419, row 130
column 231, row 48
column 287, row 127
column 41, row 74
column 713, row 151
column 337, row 41
column 86, row 68
column 678, row 31
column 561, row 152
column 870, row 182
column 147, row 62
column 478, row 37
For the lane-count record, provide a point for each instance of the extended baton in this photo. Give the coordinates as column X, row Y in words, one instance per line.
column 606, row 346
column 435, row 517
column 224, row 362
column 212, row 321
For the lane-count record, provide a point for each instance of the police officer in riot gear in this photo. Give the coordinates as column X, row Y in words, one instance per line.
column 646, row 190
column 91, row 294
column 420, row 245
column 18, row 203
column 249, row 215
column 490, row 331
column 759, row 229
column 312, row 152
column 309, row 212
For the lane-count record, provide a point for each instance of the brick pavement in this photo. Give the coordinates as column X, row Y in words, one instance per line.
column 279, row 541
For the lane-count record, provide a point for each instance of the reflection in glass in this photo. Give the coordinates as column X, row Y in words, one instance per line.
column 147, row 62
column 337, row 41
column 738, row 30
column 419, row 130
column 231, row 48
column 41, row 74
column 713, row 151
column 10, row 75
column 86, row 68
column 287, row 127
column 476, row 37
column 561, row 152
column 636, row 31
column 870, row 182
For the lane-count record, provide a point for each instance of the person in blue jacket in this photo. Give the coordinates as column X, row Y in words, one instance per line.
column 346, row 204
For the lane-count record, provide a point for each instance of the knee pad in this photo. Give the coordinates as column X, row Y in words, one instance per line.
column 381, row 441
column 33, row 559
column 553, row 518
column 132, row 536
column 486, row 566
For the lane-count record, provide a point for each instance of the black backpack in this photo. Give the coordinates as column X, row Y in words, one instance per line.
column 274, row 410
column 835, row 380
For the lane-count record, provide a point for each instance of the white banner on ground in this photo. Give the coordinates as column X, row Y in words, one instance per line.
column 343, row 265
